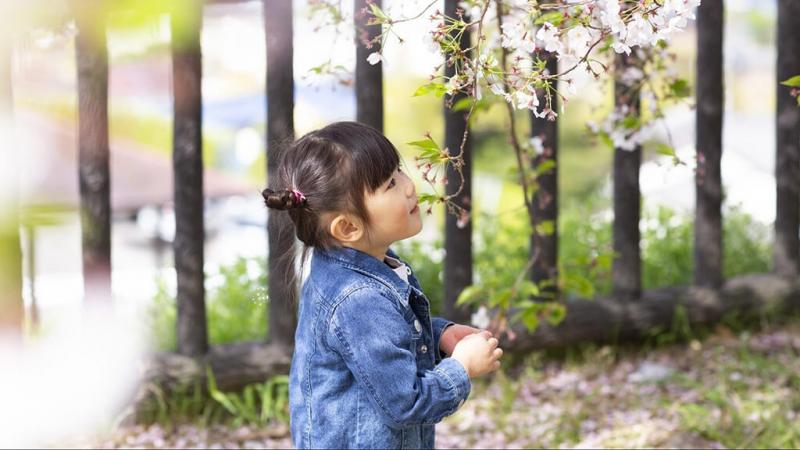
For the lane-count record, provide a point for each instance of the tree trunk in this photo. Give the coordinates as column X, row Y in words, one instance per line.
column 369, row 77
column 192, row 328
column 786, row 255
column 94, row 176
column 708, row 119
column 280, row 131
column 457, row 239
column 11, row 304
column 544, row 271
column 626, row 268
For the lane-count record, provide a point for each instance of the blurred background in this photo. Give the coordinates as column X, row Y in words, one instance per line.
column 140, row 120
column 143, row 277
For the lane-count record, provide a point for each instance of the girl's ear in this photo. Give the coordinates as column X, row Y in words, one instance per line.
column 346, row 229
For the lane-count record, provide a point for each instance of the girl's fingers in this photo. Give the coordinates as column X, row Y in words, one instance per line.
column 498, row 352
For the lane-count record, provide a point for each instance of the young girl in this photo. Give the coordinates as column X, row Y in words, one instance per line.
column 370, row 367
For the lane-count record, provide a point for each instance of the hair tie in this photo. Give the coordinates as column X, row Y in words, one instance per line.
column 299, row 197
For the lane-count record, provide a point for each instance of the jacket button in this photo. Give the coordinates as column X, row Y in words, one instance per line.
column 417, row 325
column 424, row 348
column 408, row 270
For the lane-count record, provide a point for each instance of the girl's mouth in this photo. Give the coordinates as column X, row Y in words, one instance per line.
column 416, row 208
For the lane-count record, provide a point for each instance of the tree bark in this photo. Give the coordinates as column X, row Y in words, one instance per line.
column 280, row 131
column 544, row 271
column 626, row 268
column 457, row 239
column 786, row 255
column 93, row 154
column 708, row 123
column 192, row 329
column 369, row 77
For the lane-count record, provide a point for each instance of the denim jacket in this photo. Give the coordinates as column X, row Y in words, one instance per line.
column 366, row 369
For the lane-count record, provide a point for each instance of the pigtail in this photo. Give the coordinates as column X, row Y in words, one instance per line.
column 283, row 199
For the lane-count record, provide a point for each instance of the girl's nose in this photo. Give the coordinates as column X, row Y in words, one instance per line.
column 410, row 190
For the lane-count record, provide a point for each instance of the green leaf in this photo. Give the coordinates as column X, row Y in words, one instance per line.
column 468, row 294
column 530, row 319
column 792, row 82
column 554, row 17
column 528, row 288
column 583, row 286
column 545, row 166
column 503, row 298
column 217, row 395
column 427, row 144
column 545, row 228
column 462, row 105
column 438, row 89
column 604, row 261
column 606, row 139
column 631, row 122
column 556, row 312
column 428, row 198
column 377, row 12
column 665, row 149
column 680, row 88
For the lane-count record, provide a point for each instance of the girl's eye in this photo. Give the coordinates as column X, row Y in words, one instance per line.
column 391, row 183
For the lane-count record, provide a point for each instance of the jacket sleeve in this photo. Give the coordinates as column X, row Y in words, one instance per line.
column 375, row 342
column 439, row 325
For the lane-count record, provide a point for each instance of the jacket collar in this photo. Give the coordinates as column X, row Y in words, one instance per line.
column 369, row 265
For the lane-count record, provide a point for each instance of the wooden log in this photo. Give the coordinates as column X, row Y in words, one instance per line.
column 234, row 366
column 94, row 177
column 708, row 124
column 192, row 330
column 786, row 255
column 282, row 290
column 615, row 320
column 457, row 237
column 604, row 320
column 369, row 77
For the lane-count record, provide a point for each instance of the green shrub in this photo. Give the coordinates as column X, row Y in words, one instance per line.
column 236, row 305
column 501, row 247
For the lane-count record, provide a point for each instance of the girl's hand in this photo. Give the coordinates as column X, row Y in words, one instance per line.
column 453, row 334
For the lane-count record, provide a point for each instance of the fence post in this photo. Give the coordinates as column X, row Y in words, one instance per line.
column 187, row 163
column 626, row 268
column 280, row 130
column 457, row 240
column 708, row 125
column 369, row 77
column 786, row 255
column 93, row 158
column 545, row 198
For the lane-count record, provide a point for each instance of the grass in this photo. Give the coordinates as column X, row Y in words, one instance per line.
column 735, row 389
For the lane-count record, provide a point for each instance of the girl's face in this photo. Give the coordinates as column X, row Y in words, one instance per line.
column 393, row 210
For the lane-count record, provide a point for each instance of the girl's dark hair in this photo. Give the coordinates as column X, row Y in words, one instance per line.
column 332, row 167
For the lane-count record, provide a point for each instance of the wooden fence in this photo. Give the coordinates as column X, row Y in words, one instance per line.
column 628, row 313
